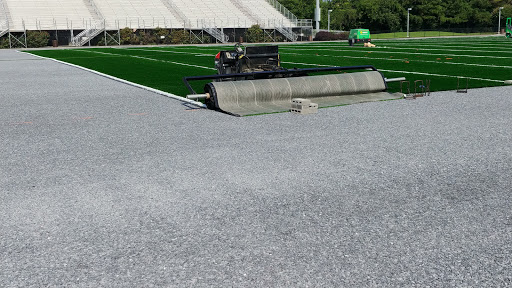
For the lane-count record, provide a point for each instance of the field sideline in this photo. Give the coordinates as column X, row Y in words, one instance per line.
column 485, row 61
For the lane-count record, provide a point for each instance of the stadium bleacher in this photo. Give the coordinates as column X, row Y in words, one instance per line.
column 48, row 14
column 264, row 11
column 137, row 14
column 220, row 13
column 94, row 16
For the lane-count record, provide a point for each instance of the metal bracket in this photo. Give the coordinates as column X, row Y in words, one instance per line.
column 406, row 85
column 462, row 90
column 419, row 88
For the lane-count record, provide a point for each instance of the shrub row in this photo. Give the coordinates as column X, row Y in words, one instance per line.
column 35, row 39
column 157, row 36
column 330, row 36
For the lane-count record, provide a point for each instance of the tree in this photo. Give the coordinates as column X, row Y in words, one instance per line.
column 255, row 34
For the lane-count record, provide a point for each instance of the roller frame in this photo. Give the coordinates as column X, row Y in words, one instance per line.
column 271, row 74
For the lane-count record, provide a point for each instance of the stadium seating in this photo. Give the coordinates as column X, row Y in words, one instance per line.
column 48, row 14
column 137, row 14
column 219, row 13
column 265, row 13
column 114, row 14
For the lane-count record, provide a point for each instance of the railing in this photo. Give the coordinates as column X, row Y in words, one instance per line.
column 283, row 10
column 291, row 17
column 176, row 10
column 4, row 25
column 146, row 23
column 50, row 23
column 3, row 30
column 96, row 10
column 88, row 34
column 242, row 7
column 215, row 32
column 304, row 23
column 287, row 32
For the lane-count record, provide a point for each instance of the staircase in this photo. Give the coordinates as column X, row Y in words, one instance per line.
column 3, row 30
column 87, row 35
column 4, row 23
column 241, row 6
column 95, row 12
column 287, row 32
column 286, row 13
column 176, row 12
column 216, row 33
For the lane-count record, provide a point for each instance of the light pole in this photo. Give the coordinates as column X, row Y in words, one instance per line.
column 408, row 10
column 329, row 20
column 317, row 15
column 499, row 21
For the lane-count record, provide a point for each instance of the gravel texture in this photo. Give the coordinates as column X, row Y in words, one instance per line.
column 107, row 185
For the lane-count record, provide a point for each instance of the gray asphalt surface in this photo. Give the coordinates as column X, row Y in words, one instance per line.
column 107, row 185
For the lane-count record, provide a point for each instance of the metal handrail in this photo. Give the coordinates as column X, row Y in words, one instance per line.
column 43, row 23
column 283, row 10
column 296, row 22
column 96, row 10
column 4, row 27
column 178, row 11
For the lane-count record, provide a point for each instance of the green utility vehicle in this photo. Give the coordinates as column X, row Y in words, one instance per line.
column 508, row 31
column 358, row 36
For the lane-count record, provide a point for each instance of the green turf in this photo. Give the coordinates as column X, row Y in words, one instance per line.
column 486, row 61
column 422, row 34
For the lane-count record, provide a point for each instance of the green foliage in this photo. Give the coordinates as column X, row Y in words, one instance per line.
column 255, row 34
column 180, row 37
column 162, row 35
column 127, row 36
column 303, row 9
column 382, row 15
column 147, row 38
column 4, row 43
column 36, row 39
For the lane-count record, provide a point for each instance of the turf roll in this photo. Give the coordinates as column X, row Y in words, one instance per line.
column 251, row 97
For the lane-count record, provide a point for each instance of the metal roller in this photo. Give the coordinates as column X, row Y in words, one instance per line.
column 250, row 97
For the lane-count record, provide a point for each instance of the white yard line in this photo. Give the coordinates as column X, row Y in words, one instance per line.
column 410, row 53
column 438, row 49
column 411, row 60
column 165, row 51
column 406, row 72
column 347, row 48
column 150, row 59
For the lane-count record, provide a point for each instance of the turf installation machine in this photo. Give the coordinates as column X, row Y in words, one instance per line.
column 251, row 80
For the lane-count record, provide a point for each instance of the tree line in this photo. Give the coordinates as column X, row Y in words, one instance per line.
column 391, row 15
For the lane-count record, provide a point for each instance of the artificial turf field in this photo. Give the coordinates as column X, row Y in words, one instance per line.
column 484, row 61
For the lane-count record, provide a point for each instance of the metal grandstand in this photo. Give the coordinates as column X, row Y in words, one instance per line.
column 76, row 22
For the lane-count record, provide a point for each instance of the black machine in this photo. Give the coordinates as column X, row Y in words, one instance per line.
column 248, row 60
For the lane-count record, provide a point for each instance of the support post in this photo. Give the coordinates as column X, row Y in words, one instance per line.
column 329, row 20
column 317, row 15
column 499, row 20
column 408, row 11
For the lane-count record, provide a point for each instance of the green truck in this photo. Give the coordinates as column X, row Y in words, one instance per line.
column 359, row 36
